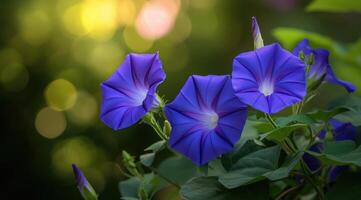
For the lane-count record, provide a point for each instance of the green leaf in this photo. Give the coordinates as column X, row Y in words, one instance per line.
column 156, row 146
column 335, row 6
column 286, row 167
column 147, row 159
column 177, row 169
column 251, row 168
column 347, row 187
column 290, row 37
column 129, row 188
column 216, row 168
column 340, row 153
column 326, row 115
column 208, row 188
column 279, row 134
column 298, row 118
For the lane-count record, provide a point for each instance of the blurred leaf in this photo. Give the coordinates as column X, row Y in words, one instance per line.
column 347, row 187
column 132, row 187
column 299, row 118
column 290, row 37
column 209, row 188
column 177, row 169
column 241, row 149
column 340, row 153
column 216, row 168
column 335, row 6
column 129, row 188
column 279, row 134
column 252, row 167
column 156, row 146
column 326, row 115
column 147, row 159
column 286, row 167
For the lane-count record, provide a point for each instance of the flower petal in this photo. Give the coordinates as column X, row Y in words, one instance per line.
column 131, row 91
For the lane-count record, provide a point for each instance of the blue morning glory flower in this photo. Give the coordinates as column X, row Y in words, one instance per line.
column 321, row 64
column 341, row 131
column 131, row 91
column 207, row 118
column 269, row 78
column 86, row 190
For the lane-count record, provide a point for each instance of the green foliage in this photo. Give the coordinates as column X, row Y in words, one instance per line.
column 279, row 134
column 142, row 188
column 340, row 153
column 209, row 188
column 177, row 169
column 257, row 166
column 335, row 6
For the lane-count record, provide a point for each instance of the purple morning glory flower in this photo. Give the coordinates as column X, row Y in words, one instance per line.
column 269, row 78
column 341, row 131
column 86, row 190
column 207, row 118
column 131, row 91
column 321, row 64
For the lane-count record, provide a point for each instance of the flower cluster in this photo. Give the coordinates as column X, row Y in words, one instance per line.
column 209, row 113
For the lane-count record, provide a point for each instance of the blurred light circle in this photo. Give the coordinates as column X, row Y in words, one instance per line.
column 99, row 18
column 72, row 20
column 126, row 12
column 135, row 42
column 156, row 18
column 35, row 26
column 50, row 123
column 85, row 109
column 182, row 28
column 60, row 94
column 104, row 59
column 78, row 150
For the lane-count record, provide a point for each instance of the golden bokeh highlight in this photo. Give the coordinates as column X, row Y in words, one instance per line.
column 60, row 94
column 99, row 18
column 35, row 26
column 104, row 59
column 135, row 42
column 85, row 154
column 84, row 112
column 50, row 123
column 126, row 12
column 72, row 20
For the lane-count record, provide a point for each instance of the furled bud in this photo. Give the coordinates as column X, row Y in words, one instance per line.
column 256, row 32
column 86, row 190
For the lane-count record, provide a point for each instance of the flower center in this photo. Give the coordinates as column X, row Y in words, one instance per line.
column 139, row 97
column 211, row 120
column 266, row 88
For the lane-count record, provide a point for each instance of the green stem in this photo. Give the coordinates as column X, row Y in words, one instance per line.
column 309, row 178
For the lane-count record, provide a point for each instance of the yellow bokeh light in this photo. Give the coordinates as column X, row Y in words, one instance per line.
column 35, row 26
column 60, row 94
column 50, row 123
column 135, row 42
column 126, row 12
column 78, row 150
column 72, row 20
column 99, row 18
column 85, row 109
column 105, row 58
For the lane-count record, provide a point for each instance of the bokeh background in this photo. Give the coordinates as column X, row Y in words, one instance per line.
column 54, row 55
